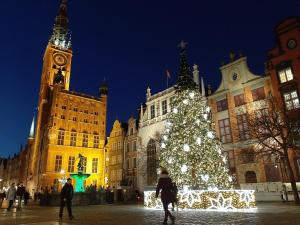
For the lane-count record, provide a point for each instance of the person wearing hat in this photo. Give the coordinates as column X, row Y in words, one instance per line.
column 166, row 186
column 66, row 196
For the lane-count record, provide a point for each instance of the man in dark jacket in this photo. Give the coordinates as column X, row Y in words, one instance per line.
column 66, row 196
column 166, row 186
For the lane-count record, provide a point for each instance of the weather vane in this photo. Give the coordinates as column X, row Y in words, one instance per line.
column 182, row 45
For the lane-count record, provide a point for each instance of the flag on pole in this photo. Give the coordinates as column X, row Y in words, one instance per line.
column 168, row 74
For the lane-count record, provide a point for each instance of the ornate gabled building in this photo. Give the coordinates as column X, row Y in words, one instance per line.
column 239, row 93
column 115, row 154
column 68, row 123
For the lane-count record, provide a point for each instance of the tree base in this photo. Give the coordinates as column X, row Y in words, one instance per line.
column 222, row 200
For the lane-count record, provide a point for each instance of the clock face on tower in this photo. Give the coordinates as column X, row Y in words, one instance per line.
column 59, row 59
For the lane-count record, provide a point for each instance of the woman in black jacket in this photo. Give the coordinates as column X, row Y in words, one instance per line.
column 166, row 187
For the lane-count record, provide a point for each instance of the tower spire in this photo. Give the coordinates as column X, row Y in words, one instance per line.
column 31, row 132
column 185, row 79
column 60, row 36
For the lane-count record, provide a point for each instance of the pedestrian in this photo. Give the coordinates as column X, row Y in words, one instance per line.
column 20, row 194
column 66, row 196
column 26, row 197
column 175, row 200
column 11, row 195
column 166, row 187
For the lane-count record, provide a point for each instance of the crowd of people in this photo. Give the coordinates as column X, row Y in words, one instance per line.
column 14, row 194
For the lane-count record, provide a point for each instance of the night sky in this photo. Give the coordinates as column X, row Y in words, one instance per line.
column 130, row 44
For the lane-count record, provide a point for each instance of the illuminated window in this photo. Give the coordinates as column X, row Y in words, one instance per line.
column 75, row 109
column 151, row 163
column 71, row 164
column 62, row 117
column 164, row 107
column 61, row 137
column 96, row 122
column 74, row 119
column 239, row 100
column 225, row 131
column 291, row 100
column 285, row 75
column 152, row 111
column 243, row 127
column 95, row 165
column 58, row 163
column 119, row 159
column 85, row 139
column 96, row 141
column 222, row 105
column 73, row 138
column 86, row 111
column 119, row 145
column 64, row 107
column 134, row 162
column 113, row 160
column 85, row 121
column 258, row 94
column 84, row 163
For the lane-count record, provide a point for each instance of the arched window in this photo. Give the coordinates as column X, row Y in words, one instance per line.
column 61, row 137
column 73, row 138
column 151, row 163
column 250, row 177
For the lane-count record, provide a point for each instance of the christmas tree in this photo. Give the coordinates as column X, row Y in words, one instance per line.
column 190, row 149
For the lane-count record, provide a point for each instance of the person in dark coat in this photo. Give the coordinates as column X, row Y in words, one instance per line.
column 166, row 187
column 66, row 196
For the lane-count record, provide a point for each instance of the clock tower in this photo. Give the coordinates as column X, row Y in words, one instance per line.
column 55, row 72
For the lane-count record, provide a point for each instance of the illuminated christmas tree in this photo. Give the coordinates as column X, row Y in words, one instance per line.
column 190, row 149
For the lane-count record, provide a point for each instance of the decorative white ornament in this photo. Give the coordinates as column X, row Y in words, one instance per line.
column 224, row 159
column 198, row 122
column 163, row 145
column 184, row 168
column 210, row 134
column 205, row 116
column 199, row 141
column 167, row 130
column 186, row 147
column 170, row 160
column 207, row 109
column 192, row 94
column 185, row 101
column 205, row 177
column 165, row 137
column 175, row 110
column 221, row 203
column 185, row 188
column 230, row 179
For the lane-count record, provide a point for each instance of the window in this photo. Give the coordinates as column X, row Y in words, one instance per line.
column 113, row 160
column 285, row 75
column 96, row 141
column 84, row 163
column 164, row 107
column 128, row 147
column 250, row 177
column 239, row 100
column 247, row 156
column 134, row 146
column 61, row 137
column 258, row 94
column 152, row 111
column 96, row 113
column 151, row 163
column 58, row 162
column 243, row 127
column 119, row 159
column 131, row 131
column 74, row 119
column 96, row 122
column 291, row 100
column 85, row 139
column 85, row 121
column 127, row 164
column 62, row 117
column 119, row 145
column 75, row 109
column 73, row 138
column 172, row 103
column 95, row 165
column 222, row 105
column 86, row 111
column 225, row 131
column 71, row 164
column 134, row 162
column 119, row 174
column 64, row 107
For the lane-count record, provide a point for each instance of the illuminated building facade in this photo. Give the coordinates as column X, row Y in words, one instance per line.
column 239, row 93
column 68, row 123
column 283, row 67
column 115, row 154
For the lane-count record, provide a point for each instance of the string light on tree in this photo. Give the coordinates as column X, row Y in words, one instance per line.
column 186, row 148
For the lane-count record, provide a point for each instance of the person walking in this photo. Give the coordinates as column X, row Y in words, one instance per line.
column 166, row 187
column 66, row 196
column 20, row 194
column 175, row 200
column 11, row 195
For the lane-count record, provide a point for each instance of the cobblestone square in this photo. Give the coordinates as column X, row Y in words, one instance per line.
column 265, row 214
